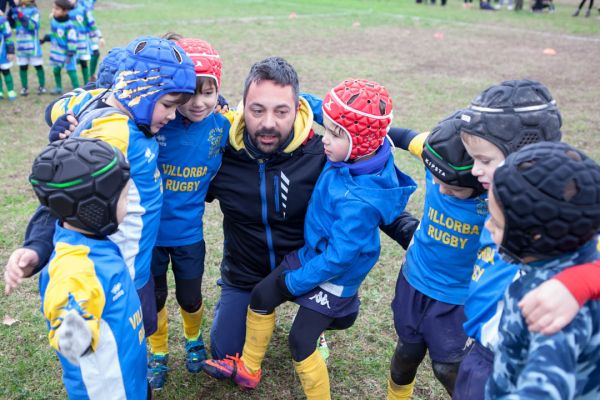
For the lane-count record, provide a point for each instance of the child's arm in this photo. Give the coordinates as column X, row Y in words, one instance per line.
column 37, row 248
column 402, row 229
column 554, row 304
column 408, row 139
column 73, row 289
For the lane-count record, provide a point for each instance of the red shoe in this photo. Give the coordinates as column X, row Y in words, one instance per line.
column 232, row 368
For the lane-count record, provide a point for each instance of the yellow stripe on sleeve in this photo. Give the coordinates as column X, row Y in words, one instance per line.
column 73, row 286
column 112, row 129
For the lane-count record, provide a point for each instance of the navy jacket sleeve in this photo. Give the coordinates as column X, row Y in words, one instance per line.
column 39, row 234
column 401, row 137
column 402, row 229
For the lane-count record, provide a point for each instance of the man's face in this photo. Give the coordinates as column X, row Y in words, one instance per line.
column 269, row 114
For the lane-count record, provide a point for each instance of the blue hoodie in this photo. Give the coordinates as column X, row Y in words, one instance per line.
column 341, row 229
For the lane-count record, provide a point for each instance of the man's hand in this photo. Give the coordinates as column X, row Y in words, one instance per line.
column 20, row 265
column 549, row 307
column 74, row 337
column 63, row 127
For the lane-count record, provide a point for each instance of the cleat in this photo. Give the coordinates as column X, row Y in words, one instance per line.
column 195, row 355
column 57, row 90
column 42, row 90
column 24, row 91
column 12, row 95
column 157, row 370
column 232, row 368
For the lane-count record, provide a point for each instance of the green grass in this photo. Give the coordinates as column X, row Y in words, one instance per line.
column 390, row 41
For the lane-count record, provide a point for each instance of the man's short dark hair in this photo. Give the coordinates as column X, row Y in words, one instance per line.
column 274, row 69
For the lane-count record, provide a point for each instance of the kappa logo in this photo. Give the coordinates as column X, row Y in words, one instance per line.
column 117, row 291
column 328, row 104
column 321, row 298
column 198, row 63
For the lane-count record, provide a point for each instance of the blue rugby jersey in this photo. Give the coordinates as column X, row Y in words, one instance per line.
column 137, row 233
column 484, row 304
column 439, row 261
column 89, row 276
column 189, row 156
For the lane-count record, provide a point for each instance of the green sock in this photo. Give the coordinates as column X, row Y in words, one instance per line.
column 1, row 89
column 74, row 79
column 39, row 70
column 85, row 71
column 94, row 62
column 9, row 82
column 23, row 76
column 57, row 77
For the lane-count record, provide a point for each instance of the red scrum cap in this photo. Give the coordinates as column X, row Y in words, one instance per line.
column 363, row 109
column 207, row 61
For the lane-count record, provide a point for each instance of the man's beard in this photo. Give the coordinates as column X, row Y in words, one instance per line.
column 271, row 133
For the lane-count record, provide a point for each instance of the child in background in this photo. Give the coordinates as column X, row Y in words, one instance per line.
column 91, row 308
column 29, row 49
column 96, row 41
column 78, row 16
column 63, row 40
column 358, row 189
column 7, row 55
column 433, row 283
column 190, row 152
column 544, row 214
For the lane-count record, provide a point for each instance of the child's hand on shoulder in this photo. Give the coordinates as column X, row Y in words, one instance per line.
column 549, row 307
column 74, row 337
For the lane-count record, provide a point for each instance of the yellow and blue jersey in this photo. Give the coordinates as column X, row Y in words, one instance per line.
column 137, row 233
column 189, row 156
column 440, row 259
column 89, row 276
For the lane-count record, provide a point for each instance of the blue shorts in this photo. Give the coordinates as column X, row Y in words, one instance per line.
column 420, row 319
column 148, row 301
column 187, row 262
column 320, row 300
column 228, row 331
column 473, row 374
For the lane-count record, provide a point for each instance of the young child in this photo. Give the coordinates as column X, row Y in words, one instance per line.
column 190, row 152
column 358, row 189
column 154, row 77
column 29, row 50
column 544, row 214
column 91, row 308
column 79, row 17
column 7, row 55
column 501, row 120
column 96, row 41
column 63, row 40
column 433, row 283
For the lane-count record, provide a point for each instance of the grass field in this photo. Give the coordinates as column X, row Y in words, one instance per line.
column 432, row 59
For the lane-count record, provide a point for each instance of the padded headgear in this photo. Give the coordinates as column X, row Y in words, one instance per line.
column 514, row 114
column 80, row 180
column 207, row 61
column 363, row 109
column 445, row 156
column 152, row 68
column 109, row 66
column 550, row 197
